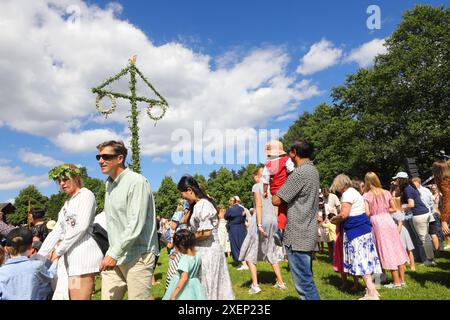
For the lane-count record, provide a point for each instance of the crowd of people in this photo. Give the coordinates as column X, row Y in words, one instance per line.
column 368, row 231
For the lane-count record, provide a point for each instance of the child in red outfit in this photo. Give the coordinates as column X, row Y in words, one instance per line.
column 275, row 173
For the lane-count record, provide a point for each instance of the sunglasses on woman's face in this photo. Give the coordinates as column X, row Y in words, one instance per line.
column 106, row 157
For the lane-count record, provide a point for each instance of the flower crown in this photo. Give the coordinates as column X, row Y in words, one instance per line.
column 64, row 171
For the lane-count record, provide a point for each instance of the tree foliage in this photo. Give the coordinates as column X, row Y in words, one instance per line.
column 220, row 185
column 54, row 205
column 398, row 108
column 29, row 194
column 166, row 198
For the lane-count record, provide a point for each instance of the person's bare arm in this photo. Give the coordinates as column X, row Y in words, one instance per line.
column 180, row 285
column 345, row 212
column 276, row 200
column 203, row 234
column 259, row 213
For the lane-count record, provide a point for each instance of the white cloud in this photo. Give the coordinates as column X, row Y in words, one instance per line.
column 49, row 63
column 37, row 159
column 288, row 116
column 73, row 142
column 12, row 178
column 158, row 160
column 365, row 54
column 320, row 56
column 4, row 161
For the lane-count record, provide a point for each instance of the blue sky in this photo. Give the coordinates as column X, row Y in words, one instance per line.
column 225, row 64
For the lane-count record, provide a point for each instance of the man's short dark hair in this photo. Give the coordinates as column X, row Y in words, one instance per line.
column 37, row 213
column 303, row 148
column 118, row 147
column 19, row 239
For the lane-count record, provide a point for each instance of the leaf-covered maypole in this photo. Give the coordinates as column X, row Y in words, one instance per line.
column 102, row 92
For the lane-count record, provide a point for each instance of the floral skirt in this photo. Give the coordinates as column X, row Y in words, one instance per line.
column 360, row 256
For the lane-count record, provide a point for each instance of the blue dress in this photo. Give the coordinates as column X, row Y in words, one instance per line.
column 237, row 231
column 192, row 289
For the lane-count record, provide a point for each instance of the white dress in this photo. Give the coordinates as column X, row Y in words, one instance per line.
column 214, row 274
column 71, row 237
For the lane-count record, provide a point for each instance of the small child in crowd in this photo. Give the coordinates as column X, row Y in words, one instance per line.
column 185, row 284
column 22, row 278
column 329, row 231
column 275, row 173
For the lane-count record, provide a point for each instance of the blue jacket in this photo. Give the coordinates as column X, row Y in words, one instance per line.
column 25, row 279
column 356, row 226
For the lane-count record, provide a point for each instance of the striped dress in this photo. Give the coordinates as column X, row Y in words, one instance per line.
column 70, row 237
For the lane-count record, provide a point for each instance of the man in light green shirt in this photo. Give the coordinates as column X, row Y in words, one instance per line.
column 131, row 224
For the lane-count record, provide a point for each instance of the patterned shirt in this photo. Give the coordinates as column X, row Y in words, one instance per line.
column 5, row 228
column 301, row 193
column 130, row 217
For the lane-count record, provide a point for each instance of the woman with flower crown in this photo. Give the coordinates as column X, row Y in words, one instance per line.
column 70, row 241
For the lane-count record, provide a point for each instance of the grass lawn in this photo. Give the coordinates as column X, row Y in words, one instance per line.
column 426, row 283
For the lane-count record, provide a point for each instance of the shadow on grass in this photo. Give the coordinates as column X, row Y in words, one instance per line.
column 264, row 277
column 439, row 277
column 336, row 281
column 323, row 258
column 236, row 264
column 158, row 276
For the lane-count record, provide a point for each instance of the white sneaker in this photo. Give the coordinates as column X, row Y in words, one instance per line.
column 393, row 286
column 254, row 290
column 430, row 263
column 242, row 268
column 281, row 286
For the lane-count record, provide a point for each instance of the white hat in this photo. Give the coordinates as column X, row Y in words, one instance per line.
column 401, row 174
column 237, row 198
column 51, row 224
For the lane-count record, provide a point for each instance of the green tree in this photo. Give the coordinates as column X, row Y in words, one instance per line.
column 37, row 200
column 166, row 198
column 331, row 130
column 97, row 186
column 245, row 183
column 221, row 186
column 402, row 103
column 396, row 109
column 201, row 180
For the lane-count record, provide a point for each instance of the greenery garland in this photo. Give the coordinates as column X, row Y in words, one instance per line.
column 101, row 92
column 64, row 171
column 111, row 109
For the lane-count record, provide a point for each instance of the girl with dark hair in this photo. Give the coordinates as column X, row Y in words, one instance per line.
column 185, row 285
column 203, row 221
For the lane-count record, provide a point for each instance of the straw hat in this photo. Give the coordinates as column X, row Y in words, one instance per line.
column 274, row 148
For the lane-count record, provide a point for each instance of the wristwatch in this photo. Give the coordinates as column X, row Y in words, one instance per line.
column 259, row 225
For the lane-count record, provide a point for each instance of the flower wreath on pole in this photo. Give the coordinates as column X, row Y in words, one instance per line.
column 111, row 109
column 103, row 91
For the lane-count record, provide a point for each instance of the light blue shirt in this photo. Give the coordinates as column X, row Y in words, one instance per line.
column 25, row 279
column 130, row 217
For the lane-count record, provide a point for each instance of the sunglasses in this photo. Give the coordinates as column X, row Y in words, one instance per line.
column 106, row 157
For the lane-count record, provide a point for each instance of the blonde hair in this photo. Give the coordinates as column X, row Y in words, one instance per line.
column 372, row 183
column 340, row 183
column 75, row 178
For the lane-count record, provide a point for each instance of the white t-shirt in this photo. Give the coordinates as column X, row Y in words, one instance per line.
column 356, row 200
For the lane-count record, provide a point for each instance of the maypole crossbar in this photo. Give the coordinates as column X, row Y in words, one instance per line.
column 102, row 92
